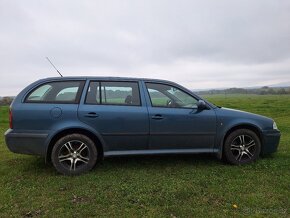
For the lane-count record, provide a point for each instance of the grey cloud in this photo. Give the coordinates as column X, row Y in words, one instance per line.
column 207, row 40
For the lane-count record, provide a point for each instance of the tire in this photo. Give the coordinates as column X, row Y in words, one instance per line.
column 242, row 146
column 74, row 154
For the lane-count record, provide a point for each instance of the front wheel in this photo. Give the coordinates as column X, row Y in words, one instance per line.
column 74, row 154
column 242, row 146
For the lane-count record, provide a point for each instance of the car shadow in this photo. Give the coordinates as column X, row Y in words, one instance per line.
column 37, row 165
column 161, row 160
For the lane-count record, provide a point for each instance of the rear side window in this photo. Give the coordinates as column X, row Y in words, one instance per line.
column 113, row 93
column 56, row 92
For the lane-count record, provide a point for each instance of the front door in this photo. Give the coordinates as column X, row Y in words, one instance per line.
column 176, row 122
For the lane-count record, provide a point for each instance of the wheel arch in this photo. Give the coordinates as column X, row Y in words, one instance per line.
column 96, row 139
column 249, row 126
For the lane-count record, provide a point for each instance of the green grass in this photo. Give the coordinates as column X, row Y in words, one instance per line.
column 155, row 186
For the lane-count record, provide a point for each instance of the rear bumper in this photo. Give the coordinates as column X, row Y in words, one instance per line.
column 271, row 139
column 26, row 142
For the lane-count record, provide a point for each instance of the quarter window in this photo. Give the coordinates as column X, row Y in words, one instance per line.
column 162, row 95
column 56, row 92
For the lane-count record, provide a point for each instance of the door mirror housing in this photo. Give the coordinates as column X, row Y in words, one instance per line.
column 201, row 105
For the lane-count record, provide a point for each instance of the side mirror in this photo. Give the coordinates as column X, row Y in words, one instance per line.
column 201, row 105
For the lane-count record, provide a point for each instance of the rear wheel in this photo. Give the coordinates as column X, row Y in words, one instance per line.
column 242, row 146
column 74, row 154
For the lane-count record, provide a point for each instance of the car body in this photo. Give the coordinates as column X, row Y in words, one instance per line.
column 129, row 116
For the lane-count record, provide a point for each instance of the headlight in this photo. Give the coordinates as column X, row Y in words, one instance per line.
column 275, row 125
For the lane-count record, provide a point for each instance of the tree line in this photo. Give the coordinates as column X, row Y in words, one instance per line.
column 265, row 90
column 6, row 100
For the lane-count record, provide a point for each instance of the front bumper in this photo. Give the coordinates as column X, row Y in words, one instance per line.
column 26, row 142
column 271, row 139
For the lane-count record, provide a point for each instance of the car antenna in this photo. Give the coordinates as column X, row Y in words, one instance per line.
column 54, row 67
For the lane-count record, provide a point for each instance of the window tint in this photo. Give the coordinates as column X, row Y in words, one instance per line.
column 56, row 92
column 168, row 96
column 158, row 99
column 39, row 93
column 120, row 93
column 67, row 94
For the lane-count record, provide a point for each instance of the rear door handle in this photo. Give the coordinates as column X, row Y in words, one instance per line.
column 157, row 117
column 91, row 115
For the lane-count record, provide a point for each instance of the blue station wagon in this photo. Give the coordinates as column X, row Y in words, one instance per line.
column 76, row 121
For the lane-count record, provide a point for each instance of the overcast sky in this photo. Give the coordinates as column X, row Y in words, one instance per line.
column 199, row 44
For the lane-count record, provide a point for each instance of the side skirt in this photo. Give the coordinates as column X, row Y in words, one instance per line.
column 164, row 151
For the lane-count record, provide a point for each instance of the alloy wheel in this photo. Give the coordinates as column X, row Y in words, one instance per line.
column 74, row 155
column 243, row 148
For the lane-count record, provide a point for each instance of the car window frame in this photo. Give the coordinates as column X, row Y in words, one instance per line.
column 77, row 99
column 87, row 92
column 100, row 91
column 171, row 85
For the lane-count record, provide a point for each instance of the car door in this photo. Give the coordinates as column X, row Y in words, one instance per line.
column 117, row 112
column 176, row 122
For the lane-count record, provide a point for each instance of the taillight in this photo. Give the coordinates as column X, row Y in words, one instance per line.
column 10, row 119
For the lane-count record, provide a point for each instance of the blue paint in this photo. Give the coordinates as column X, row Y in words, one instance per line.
column 130, row 129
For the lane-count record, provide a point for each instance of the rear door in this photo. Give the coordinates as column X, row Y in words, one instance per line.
column 116, row 110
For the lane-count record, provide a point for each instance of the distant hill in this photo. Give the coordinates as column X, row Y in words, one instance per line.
column 265, row 90
column 283, row 84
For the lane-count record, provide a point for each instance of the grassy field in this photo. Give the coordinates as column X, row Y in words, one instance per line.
column 155, row 186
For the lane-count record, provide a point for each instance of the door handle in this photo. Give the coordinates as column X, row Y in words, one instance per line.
column 91, row 115
column 157, row 117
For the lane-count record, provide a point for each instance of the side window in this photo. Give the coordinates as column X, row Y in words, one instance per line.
column 67, row 94
column 120, row 93
column 158, row 99
column 162, row 95
column 56, row 92
column 39, row 93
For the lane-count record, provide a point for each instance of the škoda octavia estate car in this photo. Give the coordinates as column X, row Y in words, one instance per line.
column 75, row 121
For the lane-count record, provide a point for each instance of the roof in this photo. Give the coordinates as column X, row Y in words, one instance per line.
column 106, row 78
